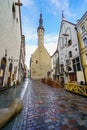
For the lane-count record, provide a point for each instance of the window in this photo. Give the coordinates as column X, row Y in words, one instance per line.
column 76, row 64
column 64, row 41
column 70, row 54
column 85, row 41
column 77, row 59
column 75, row 49
column 67, row 61
column 36, row 61
column 13, row 10
column 69, row 42
column 62, row 68
column 83, row 28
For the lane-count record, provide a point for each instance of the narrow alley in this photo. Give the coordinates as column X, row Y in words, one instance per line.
column 47, row 108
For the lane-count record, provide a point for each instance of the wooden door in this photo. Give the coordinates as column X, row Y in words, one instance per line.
column 72, row 77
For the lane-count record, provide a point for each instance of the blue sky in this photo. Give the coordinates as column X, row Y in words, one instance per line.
column 51, row 11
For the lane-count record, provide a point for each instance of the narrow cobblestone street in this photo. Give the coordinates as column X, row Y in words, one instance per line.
column 47, row 108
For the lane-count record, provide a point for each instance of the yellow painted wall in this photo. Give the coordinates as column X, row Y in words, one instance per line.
column 80, row 76
column 83, row 50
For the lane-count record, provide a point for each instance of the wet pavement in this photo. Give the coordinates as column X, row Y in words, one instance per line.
column 7, row 96
column 47, row 108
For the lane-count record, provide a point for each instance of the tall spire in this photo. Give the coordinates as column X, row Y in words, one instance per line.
column 40, row 22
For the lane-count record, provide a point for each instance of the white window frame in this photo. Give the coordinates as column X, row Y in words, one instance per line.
column 83, row 28
column 85, row 41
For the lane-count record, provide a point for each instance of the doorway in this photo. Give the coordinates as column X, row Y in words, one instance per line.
column 2, row 71
column 72, row 77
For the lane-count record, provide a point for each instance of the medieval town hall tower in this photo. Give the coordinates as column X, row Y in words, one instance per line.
column 40, row 59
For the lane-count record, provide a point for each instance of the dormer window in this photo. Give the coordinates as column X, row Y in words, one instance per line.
column 83, row 28
column 85, row 42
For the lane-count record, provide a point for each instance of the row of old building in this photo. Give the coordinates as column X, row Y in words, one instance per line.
column 70, row 59
column 12, row 43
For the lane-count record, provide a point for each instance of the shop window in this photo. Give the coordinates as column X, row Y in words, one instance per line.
column 76, row 64
column 78, row 67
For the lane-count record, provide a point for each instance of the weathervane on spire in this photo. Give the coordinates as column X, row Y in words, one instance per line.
column 62, row 14
column 63, row 18
column 40, row 22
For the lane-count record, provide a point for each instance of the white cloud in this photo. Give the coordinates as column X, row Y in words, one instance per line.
column 62, row 5
column 29, row 50
column 30, row 35
column 52, row 48
column 30, row 21
column 51, row 38
column 27, row 3
column 51, row 42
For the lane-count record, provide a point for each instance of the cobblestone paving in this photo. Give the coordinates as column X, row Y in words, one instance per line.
column 47, row 108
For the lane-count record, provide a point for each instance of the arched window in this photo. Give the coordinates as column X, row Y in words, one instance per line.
column 10, row 67
column 13, row 10
column 69, row 36
column 69, row 42
column 10, row 73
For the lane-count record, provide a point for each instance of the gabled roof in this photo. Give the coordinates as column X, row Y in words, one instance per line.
column 85, row 15
column 55, row 52
column 64, row 20
column 38, row 49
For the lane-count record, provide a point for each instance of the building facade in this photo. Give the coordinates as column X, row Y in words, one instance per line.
column 10, row 41
column 82, row 36
column 40, row 63
column 55, row 65
column 22, row 66
column 69, row 58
